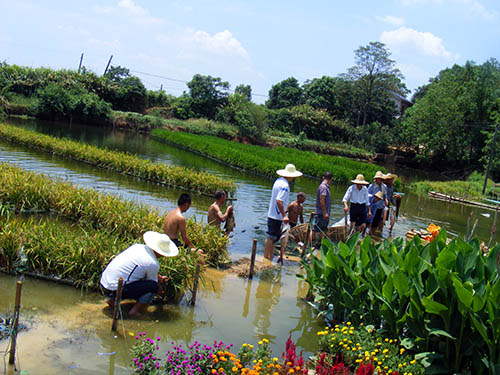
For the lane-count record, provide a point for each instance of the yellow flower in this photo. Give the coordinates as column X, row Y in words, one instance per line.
column 413, row 362
column 265, row 340
column 348, row 323
column 385, row 351
column 260, row 342
column 275, row 359
column 402, row 350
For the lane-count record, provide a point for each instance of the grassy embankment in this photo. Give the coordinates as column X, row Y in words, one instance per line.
column 131, row 120
column 266, row 161
column 98, row 227
column 470, row 189
column 120, row 162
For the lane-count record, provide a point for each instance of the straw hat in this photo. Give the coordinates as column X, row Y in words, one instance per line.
column 379, row 174
column 360, row 179
column 390, row 176
column 379, row 195
column 160, row 243
column 289, row 171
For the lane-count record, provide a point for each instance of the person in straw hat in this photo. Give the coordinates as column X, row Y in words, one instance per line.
column 377, row 212
column 357, row 195
column 389, row 179
column 376, row 186
column 276, row 214
column 139, row 267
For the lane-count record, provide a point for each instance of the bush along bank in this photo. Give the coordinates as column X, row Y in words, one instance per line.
column 266, row 161
column 120, row 162
column 440, row 298
column 112, row 222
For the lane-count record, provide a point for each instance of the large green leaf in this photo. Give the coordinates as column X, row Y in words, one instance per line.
column 464, row 291
column 440, row 332
column 446, row 259
column 401, row 283
column 481, row 328
column 433, row 307
column 387, row 289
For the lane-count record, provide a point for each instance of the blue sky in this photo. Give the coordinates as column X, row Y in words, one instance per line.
column 252, row 42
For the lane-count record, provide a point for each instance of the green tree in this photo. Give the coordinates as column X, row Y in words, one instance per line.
column 320, row 93
column 374, row 76
column 448, row 122
column 245, row 90
column 285, row 94
column 117, row 73
column 208, row 94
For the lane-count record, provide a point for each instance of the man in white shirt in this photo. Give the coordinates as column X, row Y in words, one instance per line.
column 276, row 214
column 357, row 194
column 139, row 267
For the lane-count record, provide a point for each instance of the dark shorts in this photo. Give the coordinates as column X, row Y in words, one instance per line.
column 142, row 290
column 357, row 213
column 177, row 242
column 292, row 224
column 274, row 229
column 320, row 224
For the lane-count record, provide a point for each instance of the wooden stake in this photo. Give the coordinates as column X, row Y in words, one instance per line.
column 252, row 259
column 118, row 297
column 195, row 284
column 309, row 234
column 12, row 354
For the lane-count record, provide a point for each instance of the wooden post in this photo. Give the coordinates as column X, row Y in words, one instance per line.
column 80, row 66
column 107, row 66
column 12, row 354
column 309, row 234
column 252, row 258
column 195, row 284
column 118, row 297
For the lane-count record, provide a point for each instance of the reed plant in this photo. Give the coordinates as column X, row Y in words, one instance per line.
column 266, row 161
column 120, row 162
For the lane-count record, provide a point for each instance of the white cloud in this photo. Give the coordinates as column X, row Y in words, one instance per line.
column 137, row 13
column 473, row 6
column 425, row 42
column 395, row 21
column 223, row 43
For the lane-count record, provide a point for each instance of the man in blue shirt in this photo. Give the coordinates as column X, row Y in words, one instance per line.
column 276, row 214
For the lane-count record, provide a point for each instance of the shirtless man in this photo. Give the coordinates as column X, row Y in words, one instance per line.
column 175, row 223
column 294, row 210
column 215, row 216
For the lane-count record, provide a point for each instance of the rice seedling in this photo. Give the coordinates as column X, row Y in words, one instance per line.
column 120, row 162
column 266, row 161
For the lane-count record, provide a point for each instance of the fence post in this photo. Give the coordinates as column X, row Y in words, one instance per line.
column 195, row 283
column 12, row 354
column 252, row 259
column 118, row 297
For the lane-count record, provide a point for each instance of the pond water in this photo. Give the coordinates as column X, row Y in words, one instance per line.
column 70, row 328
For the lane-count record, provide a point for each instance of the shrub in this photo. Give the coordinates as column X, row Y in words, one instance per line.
column 440, row 297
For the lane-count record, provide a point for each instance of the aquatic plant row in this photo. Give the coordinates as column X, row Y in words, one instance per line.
column 266, row 161
column 108, row 220
column 120, row 162
column 440, row 298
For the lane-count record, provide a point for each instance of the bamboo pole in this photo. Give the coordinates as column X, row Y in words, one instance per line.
column 195, row 283
column 252, row 258
column 12, row 354
column 118, row 297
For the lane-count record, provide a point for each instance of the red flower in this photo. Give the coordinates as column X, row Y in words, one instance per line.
column 365, row 369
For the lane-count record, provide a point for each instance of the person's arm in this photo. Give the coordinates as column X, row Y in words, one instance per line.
column 281, row 208
column 323, row 206
column 182, row 229
column 346, row 198
column 367, row 202
column 301, row 210
column 223, row 217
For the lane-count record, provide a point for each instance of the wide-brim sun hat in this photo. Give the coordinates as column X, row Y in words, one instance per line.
column 289, row 171
column 379, row 195
column 360, row 179
column 390, row 176
column 160, row 243
column 379, row 174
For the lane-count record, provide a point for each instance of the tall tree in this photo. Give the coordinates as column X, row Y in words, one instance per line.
column 245, row 90
column 375, row 75
column 208, row 94
column 284, row 94
column 320, row 94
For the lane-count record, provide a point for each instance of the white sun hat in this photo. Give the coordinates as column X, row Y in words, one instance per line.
column 379, row 174
column 360, row 179
column 160, row 243
column 289, row 171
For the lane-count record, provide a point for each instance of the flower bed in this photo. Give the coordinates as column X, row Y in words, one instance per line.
column 120, row 162
column 266, row 161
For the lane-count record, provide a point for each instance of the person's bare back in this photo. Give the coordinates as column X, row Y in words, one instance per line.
column 175, row 223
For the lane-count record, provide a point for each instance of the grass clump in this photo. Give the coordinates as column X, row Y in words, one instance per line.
column 106, row 225
column 263, row 160
column 120, row 162
column 471, row 188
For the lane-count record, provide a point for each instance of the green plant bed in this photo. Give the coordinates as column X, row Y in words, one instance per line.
column 441, row 298
column 27, row 191
column 472, row 188
column 120, row 162
column 265, row 160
